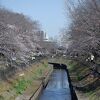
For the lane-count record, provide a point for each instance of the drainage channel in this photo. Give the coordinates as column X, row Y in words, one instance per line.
column 58, row 87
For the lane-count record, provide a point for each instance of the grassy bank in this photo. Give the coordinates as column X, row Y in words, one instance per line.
column 89, row 85
column 20, row 83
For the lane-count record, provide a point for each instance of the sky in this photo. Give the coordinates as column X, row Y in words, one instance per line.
column 50, row 13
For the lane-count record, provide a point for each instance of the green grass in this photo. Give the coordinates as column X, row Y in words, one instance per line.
column 79, row 70
column 79, row 78
column 21, row 86
column 45, row 65
column 1, row 97
column 93, row 94
column 71, row 65
column 40, row 71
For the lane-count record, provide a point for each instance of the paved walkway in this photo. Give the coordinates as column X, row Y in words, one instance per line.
column 58, row 87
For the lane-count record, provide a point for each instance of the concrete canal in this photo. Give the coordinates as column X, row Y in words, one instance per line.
column 58, row 87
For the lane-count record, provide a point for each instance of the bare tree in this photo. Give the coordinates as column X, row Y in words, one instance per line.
column 18, row 40
column 84, row 30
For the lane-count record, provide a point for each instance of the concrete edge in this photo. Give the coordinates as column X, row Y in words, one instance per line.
column 36, row 95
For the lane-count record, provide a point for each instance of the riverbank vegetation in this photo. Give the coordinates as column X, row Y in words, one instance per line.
column 24, row 50
column 83, row 45
column 25, row 82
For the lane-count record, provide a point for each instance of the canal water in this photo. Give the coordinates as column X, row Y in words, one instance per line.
column 58, row 87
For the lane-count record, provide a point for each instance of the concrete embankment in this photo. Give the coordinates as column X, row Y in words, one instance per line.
column 36, row 94
column 58, row 87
